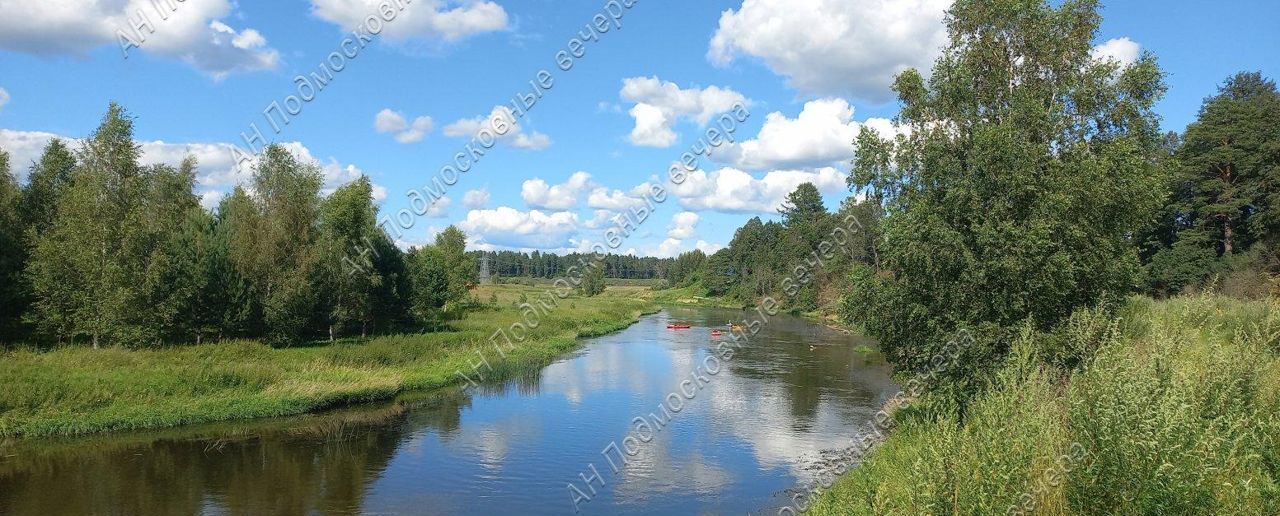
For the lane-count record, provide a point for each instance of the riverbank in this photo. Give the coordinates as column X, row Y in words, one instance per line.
column 76, row 390
column 1178, row 412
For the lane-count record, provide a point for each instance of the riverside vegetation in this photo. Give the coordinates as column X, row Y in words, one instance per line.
column 1118, row 283
column 77, row 390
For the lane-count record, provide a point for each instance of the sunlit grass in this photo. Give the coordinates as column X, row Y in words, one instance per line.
column 77, row 390
column 1178, row 411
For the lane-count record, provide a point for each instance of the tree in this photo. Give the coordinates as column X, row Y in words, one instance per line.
column 348, row 225
column 429, row 277
column 84, row 268
column 592, row 283
column 12, row 253
column 48, row 178
column 272, row 240
column 1014, row 194
column 452, row 243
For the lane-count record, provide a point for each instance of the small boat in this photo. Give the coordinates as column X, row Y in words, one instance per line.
column 679, row 326
column 716, row 333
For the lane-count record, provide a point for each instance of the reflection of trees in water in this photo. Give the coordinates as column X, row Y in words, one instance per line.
column 286, row 475
column 321, row 468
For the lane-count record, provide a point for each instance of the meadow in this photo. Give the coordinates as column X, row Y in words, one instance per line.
column 76, row 390
column 1176, row 411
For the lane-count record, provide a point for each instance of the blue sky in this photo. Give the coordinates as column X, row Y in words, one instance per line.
column 811, row 72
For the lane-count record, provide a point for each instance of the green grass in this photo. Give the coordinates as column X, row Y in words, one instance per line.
column 76, row 390
column 1177, row 408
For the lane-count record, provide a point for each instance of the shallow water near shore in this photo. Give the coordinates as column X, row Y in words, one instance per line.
column 760, row 427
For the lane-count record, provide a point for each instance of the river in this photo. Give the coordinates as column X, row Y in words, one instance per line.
column 755, row 431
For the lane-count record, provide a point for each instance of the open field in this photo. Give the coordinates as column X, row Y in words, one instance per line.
column 76, row 390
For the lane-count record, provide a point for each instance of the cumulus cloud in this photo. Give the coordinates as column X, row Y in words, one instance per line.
column 821, row 135
column 193, row 32
column 217, row 171
column 475, row 199
column 439, row 20
column 684, row 225
column 501, row 116
column 730, row 190
column 660, row 104
column 1122, row 50
column 394, row 122
column 834, row 47
column 511, row 228
column 538, row 194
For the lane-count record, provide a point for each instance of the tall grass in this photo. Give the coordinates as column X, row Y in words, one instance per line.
column 1175, row 407
column 77, row 390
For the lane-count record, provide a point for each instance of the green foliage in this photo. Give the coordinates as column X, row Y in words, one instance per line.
column 462, row 271
column 429, row 275
column 12, row 251
column 1175, row 408
column 1014, row 194
column 592, row 281
column 74, row 390
column 1224, row 197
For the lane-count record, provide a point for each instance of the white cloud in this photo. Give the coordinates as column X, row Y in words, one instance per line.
column 193, row 32
column 500, row 117
column 217, row 172
column 446, row 20
column 731, row 190
column 707, row 247
column 603, row 198
column 4, row 97
column 475, row 199
column 660, row 104
column 538, row 194
column 1122, row 50
column 684, row 225
column 511, row 228
column 209, row 199
column 439, row 209
column 834, row 47
column 822, row 134
column 388, row 121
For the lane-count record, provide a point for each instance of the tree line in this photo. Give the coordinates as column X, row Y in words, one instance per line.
column 98, row 248
column 537, row 264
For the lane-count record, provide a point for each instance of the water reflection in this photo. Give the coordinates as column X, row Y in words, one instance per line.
column 756, row 430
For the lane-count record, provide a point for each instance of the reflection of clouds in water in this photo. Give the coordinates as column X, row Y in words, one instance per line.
column 627, row 362
column 490, row 443
column 654, row 471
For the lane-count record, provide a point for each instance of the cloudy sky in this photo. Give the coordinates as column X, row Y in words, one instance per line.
column 812, row 73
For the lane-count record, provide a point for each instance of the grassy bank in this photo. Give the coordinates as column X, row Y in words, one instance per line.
column 1177, row 412
column 78, row 391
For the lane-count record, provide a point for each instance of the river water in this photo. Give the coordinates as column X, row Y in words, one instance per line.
column 756, row 431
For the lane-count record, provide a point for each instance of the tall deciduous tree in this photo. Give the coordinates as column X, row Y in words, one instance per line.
column 1012, row 197
column 85, row 268
column 351, row 281
column 452, row 243
column 12, row 253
